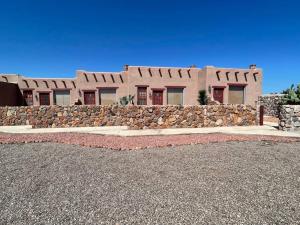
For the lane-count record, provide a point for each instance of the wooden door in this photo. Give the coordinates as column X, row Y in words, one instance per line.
column 44, row 99
column 89, row 98
column 157, row 98
column 219, row 94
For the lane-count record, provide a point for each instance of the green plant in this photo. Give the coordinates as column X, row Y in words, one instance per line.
column 202, row 97
column 292, row 96
column 125, row 100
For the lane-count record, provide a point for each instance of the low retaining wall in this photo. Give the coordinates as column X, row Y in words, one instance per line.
column 289, row 118
column 136, row 117
column 271, row 104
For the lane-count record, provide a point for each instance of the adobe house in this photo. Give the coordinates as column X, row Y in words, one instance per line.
column 149, row 85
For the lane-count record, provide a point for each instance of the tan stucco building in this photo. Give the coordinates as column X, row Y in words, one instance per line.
column 149, row 85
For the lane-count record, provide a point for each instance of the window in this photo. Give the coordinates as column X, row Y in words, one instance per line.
column 142, row 96
column 62, row 97
column 107, row 96
column 89, row 98
column 175, row 96
column 28, row 97
column 236, row 95
column 44, row 99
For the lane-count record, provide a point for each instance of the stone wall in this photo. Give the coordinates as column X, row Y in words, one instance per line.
column 271, row 103
column 136, row 117
column 289, row 118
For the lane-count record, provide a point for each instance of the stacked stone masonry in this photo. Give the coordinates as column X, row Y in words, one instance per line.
column 289, row 118
column 135, row 117
column 271, row 104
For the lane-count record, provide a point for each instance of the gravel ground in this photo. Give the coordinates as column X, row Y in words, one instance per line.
column 140, row 142
column 224, row 183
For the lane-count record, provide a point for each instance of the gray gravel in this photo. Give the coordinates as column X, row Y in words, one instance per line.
column 225, row 183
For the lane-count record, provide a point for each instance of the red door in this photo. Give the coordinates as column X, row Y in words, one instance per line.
column 219, row 94
column 157, row 98
column 44, row 99
column 89, row 98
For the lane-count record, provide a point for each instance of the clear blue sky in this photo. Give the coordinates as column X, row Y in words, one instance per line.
column 53, row 38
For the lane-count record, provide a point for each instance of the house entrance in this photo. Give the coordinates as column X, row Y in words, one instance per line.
column 218, row 94
column 157, row 98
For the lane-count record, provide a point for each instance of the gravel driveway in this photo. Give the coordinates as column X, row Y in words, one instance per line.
column 221, row 183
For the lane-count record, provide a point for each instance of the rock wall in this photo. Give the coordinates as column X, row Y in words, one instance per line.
column 136, row 117
column 271, row 104
column 289, row 118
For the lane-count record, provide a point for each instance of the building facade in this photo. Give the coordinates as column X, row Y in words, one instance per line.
column 148, row 85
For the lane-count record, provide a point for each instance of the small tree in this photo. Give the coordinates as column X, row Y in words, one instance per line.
column 292, row 96
column 202, row 97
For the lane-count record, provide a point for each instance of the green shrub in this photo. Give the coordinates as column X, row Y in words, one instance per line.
column 126, row 100
column 292, row 96
column 202, row 97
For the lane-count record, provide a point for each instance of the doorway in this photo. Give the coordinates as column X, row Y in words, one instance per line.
column 218, row 95
column 89, row 98
column 157, row 98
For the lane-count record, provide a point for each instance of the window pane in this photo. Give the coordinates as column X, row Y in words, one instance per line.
column 175, row 96
column 107, row 96
column 142, row 96
column 236, row 95
column 62, row 97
